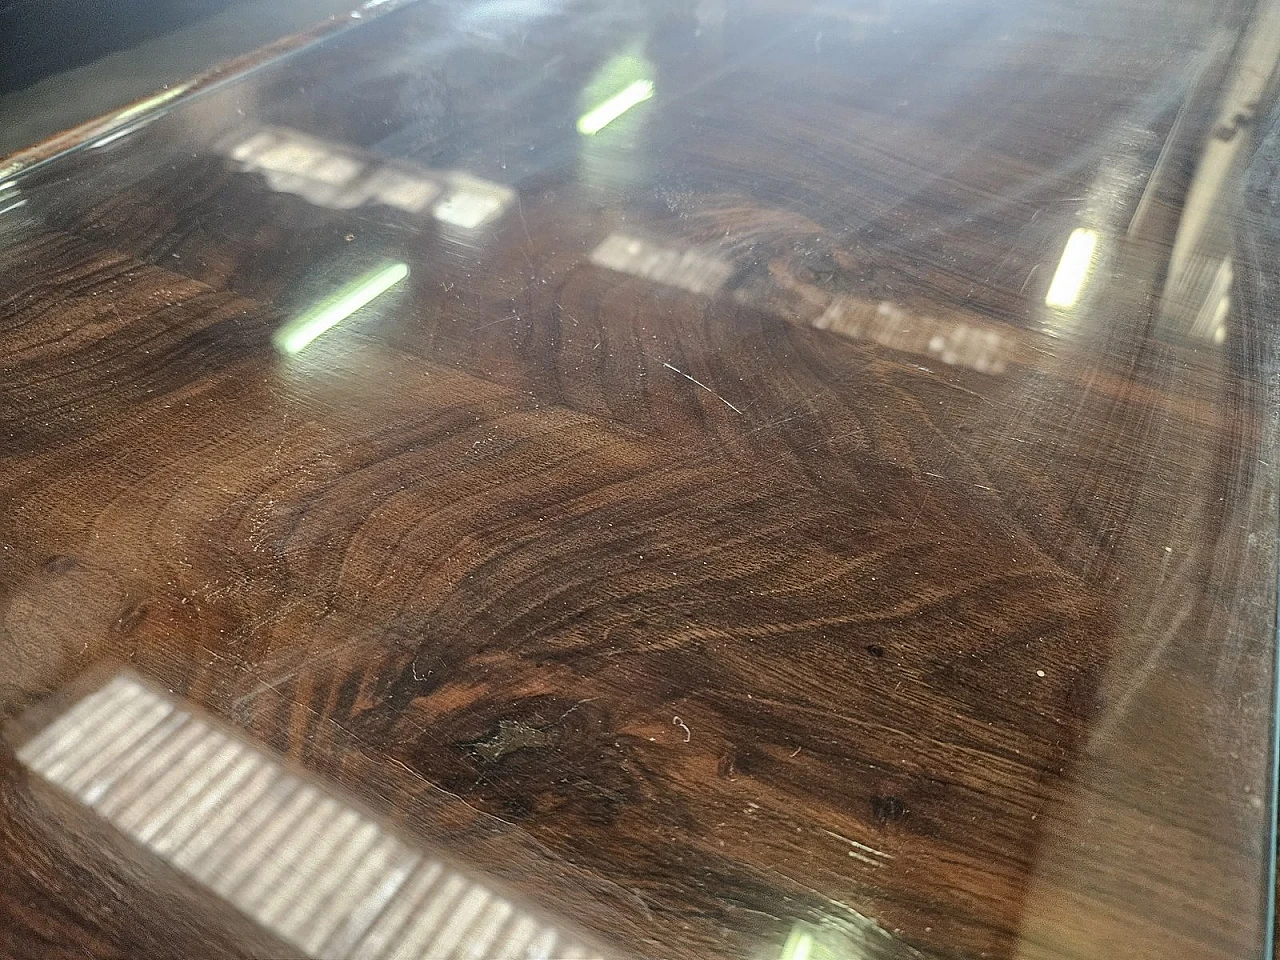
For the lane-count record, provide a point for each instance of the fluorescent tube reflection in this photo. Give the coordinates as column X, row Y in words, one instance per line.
column 599, row 117
column 799, row 945
column 1073, row 269
column 295, row 335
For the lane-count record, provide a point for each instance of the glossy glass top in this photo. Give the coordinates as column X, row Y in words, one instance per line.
column 693, row 480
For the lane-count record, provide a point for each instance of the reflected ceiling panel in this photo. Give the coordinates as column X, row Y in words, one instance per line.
column 687, row 269
column 970, row 343
column 294, row 857
column 339, row 177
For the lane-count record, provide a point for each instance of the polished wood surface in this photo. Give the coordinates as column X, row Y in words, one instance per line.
column 737, row 529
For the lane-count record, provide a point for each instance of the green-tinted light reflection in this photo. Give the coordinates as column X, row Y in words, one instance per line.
column 599, row 117
column 798, row 946
column 150, row 103
column 294, row 336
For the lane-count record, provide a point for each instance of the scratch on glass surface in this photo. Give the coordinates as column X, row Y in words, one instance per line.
column 703, row 386
column 872, row 851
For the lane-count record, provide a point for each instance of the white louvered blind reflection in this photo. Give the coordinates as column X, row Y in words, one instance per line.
column 306, row 866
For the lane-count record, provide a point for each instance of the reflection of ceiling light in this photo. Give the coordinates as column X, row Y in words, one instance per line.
column 115, row 135
column 799, row 945
column 150, row 103
column 688, row 269
column 1073, row 269
column 597, row 118
column 292, row 854
column 471, row 202
column 296, row 334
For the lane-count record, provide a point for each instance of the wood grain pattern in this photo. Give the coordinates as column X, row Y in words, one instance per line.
column 693, row 615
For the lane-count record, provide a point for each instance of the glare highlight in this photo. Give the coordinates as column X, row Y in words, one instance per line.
column 294, row 336
column 599, row 117
column 1073, row 269
column 799, row 945
column 151, row 103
